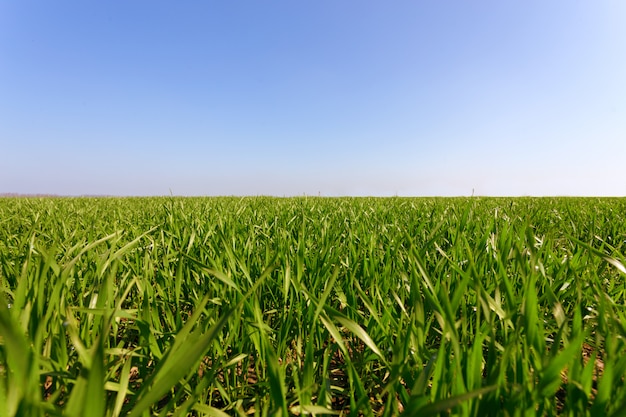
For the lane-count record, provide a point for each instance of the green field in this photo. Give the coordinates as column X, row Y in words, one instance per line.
column 312, row 306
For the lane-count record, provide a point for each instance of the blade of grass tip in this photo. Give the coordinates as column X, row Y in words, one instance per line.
column 313, row 409
column 209, row 411
column 286, row 284
column 214, row 273
column 616, row 263
column 123, row 390
column 236, row 360
column 178, row 282
column 359, row 332
column 613, row 261
column 334, row 332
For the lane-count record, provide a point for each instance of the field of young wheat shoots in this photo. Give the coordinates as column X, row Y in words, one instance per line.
column 312, row 306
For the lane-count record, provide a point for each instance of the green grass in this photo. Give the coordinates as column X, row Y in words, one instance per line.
column 312, row 306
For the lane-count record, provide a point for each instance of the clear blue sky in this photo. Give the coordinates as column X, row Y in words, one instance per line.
column 337, row 97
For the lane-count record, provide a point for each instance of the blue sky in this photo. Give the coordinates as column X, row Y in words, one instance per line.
column 296, row 97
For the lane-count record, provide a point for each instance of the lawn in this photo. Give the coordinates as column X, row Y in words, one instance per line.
column 312, row 306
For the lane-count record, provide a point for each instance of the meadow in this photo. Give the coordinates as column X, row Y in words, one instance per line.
column 312, row 306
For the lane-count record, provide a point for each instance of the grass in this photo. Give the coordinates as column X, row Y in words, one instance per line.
column 312, row 306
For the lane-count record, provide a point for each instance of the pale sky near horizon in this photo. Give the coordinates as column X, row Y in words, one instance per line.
column 329, row 97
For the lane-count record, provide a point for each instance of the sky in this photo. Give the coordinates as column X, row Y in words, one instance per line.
column 313, row 97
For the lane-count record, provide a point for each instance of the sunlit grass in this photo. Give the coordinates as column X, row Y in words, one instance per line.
column 312, row 306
